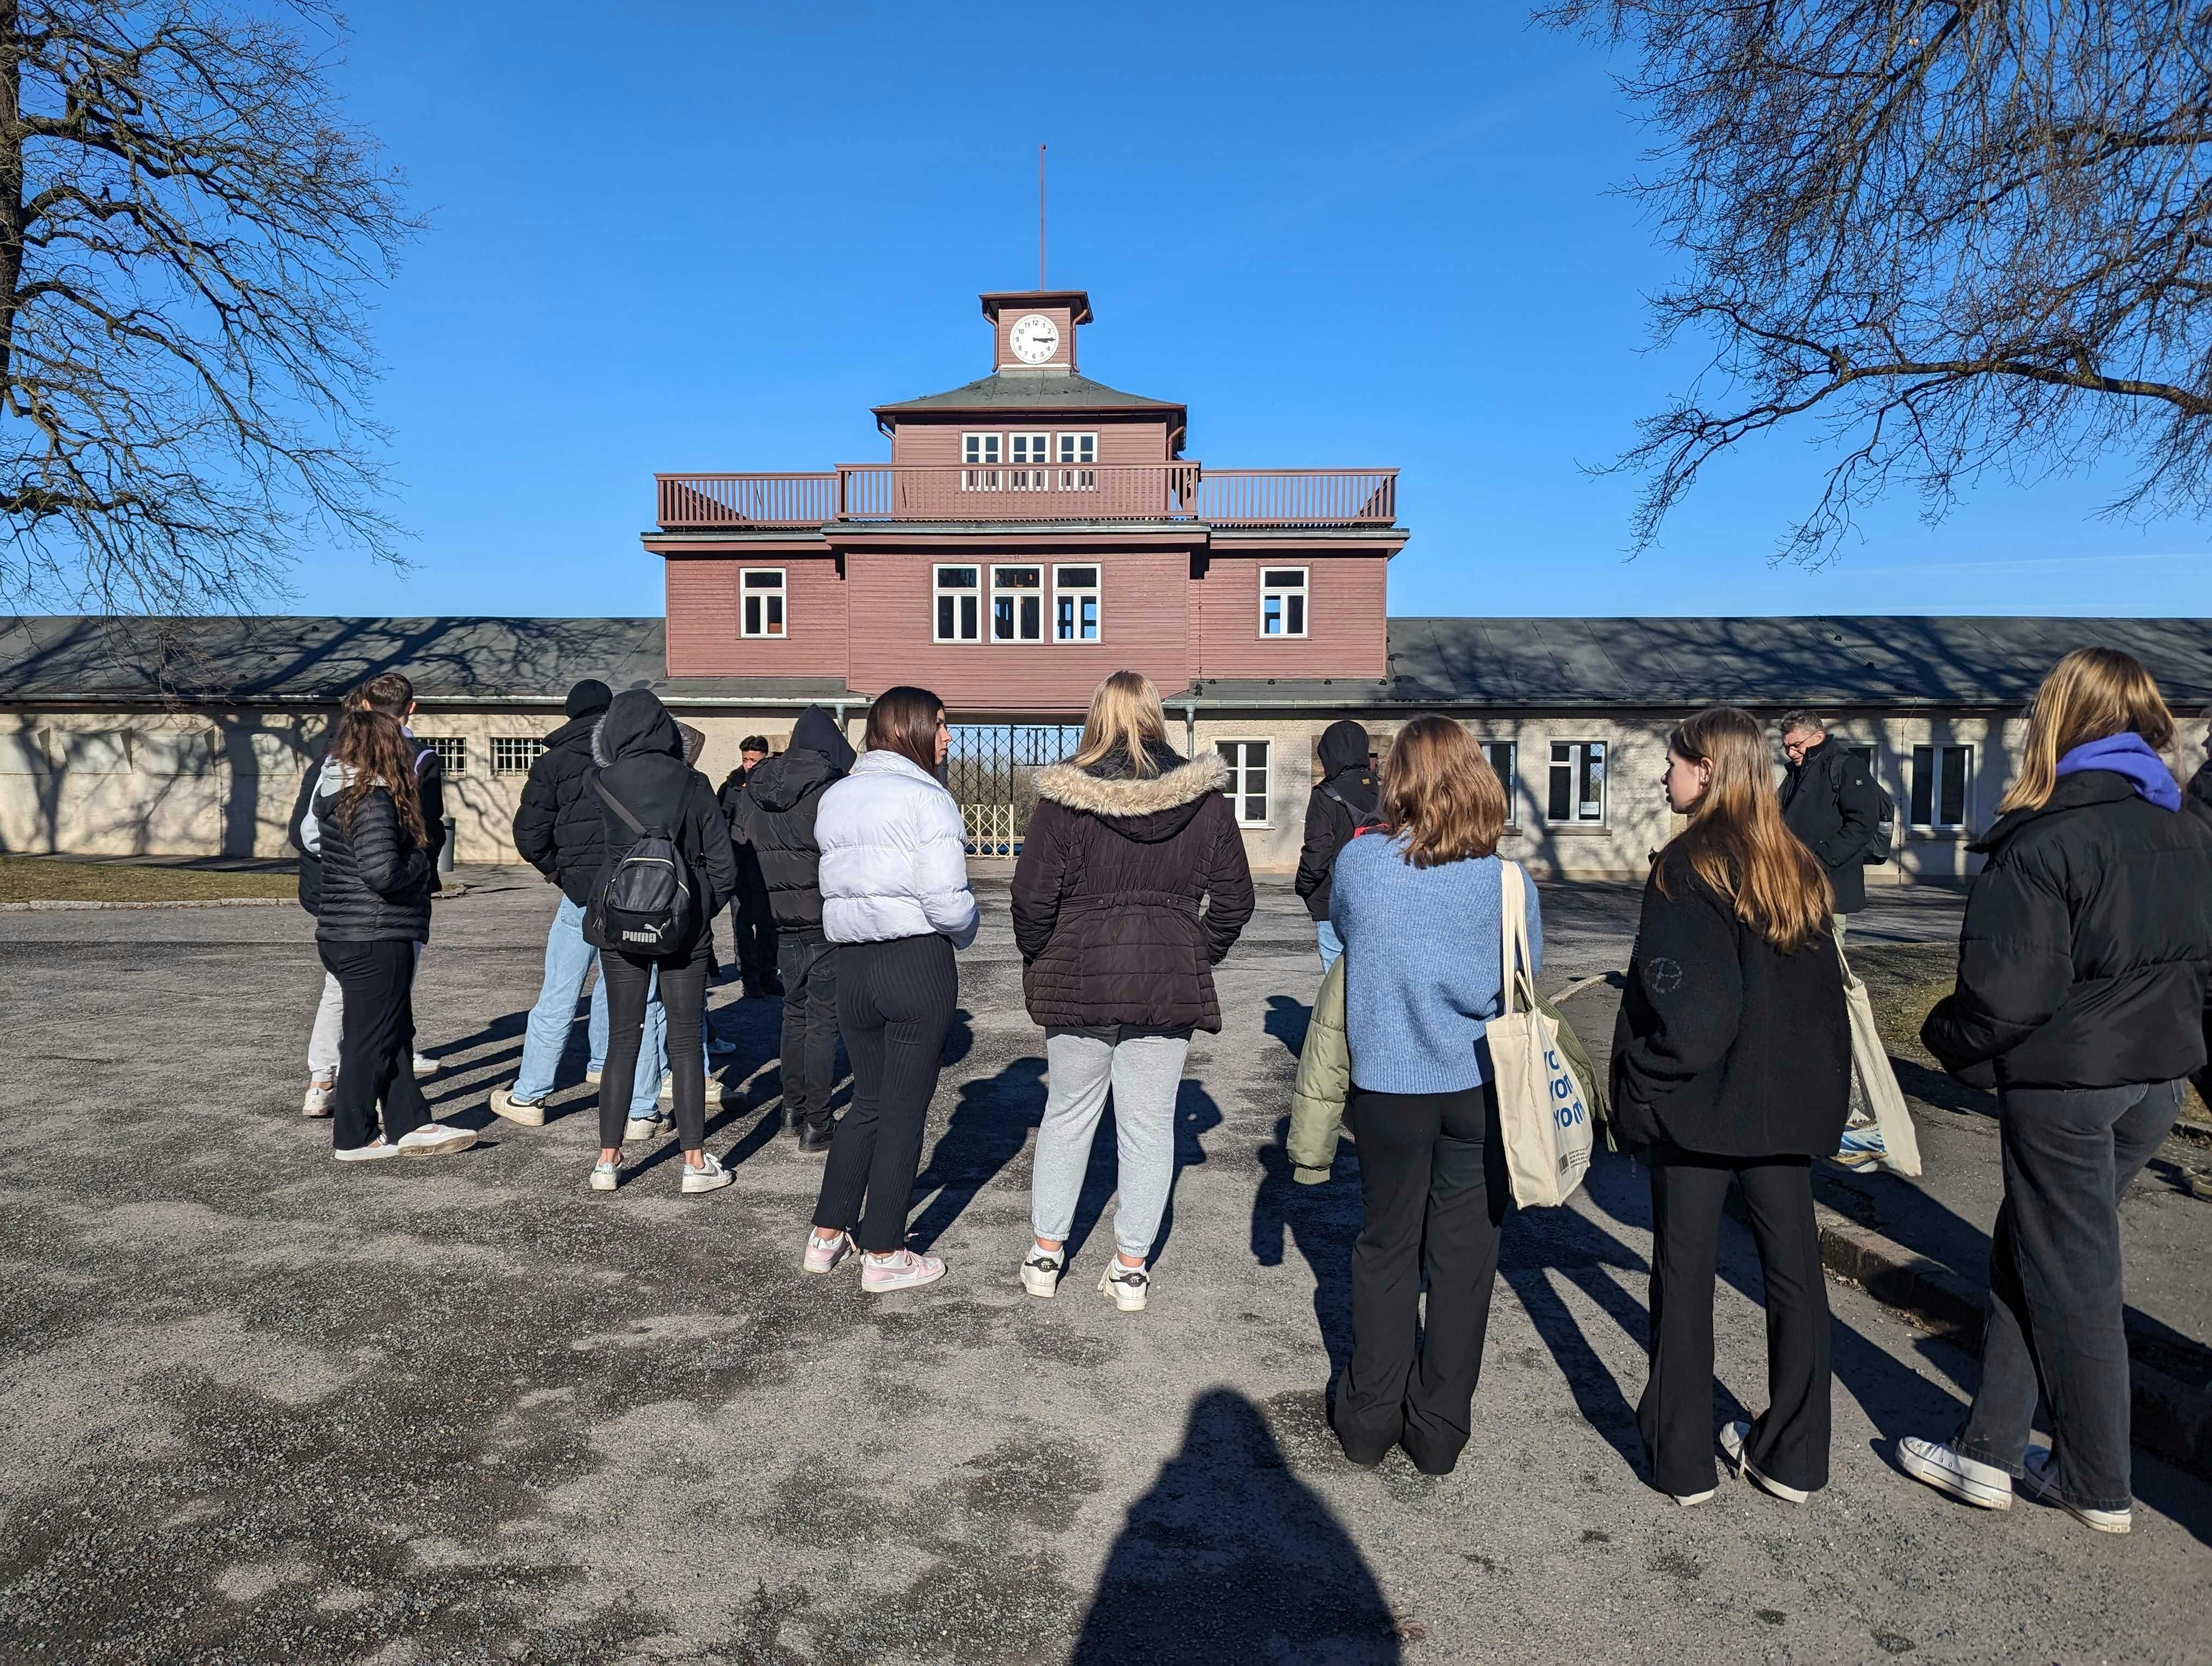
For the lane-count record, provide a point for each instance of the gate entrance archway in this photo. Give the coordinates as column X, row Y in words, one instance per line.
column 990, row 769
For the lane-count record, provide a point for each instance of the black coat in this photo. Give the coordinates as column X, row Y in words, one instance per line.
column 776, row 817
column 1129, row 890
column 430, row 785
column 1831, row 803
column 638, row 752
column 752, row 884
column 1331, row 821
column 375, row 881
column 560, row 826
column 1725, row 1044
column 2086, row 945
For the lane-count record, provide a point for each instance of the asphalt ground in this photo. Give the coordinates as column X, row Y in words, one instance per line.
column 259, row 1406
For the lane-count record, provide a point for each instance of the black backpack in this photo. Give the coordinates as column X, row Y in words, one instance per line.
column 1361, row 819
column 645, row 904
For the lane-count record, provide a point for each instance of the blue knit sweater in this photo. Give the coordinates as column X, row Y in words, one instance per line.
column 1422, row 965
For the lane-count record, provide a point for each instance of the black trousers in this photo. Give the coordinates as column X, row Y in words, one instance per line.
column 1432, row 1183
column 895, row 1002
column 1789, row 1440
column 809, row 968
column 683, row 997
column 376, row 1044
column 754, row 923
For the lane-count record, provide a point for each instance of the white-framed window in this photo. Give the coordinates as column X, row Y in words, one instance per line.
column 513, row 754
column 1942, row 779
column 956, row 595
column 1501, row 756
column 760, row 591
column 1075, row 604
column 453, row 752
column 1575, row 794
column 1078, row 456
column 1017, row 603
column 980, row 457
column 1032, row 452
column 1247, row 780
column 1282, row 601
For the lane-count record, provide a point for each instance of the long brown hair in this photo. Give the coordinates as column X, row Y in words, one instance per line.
column 2092, row 693
column 1736, row 840
column 1126, row 715
column 1440, row 791
column 371, row 744
column 903, row 720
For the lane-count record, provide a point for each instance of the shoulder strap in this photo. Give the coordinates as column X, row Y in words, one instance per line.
column 1516, row 981
column 1360, row 819
column 635, row 826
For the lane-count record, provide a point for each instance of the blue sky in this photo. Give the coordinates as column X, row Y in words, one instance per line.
column 669, row 236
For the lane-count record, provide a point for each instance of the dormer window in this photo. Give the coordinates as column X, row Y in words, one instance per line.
column 980, row 456
column 1282, row 601
column 762, row 590
column 1031, row 453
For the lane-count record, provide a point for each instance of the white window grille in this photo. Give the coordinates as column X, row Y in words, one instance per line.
column 513, row 754
column 958, row 596
column 1247, row 780
column 1577, row 794
column 1282, row 601
column 1017, row 603
column 453, row 752
column 1078, row 453
column 1075, row 604
column 1942, row 779
column 980, row 456
column 762, row 592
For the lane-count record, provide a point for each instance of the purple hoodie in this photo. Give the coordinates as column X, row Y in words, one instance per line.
column 2127, row 755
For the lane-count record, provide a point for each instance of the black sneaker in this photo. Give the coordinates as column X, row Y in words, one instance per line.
column 814, row 1139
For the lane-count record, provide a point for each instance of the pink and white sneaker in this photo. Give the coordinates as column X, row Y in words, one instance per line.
column 901, row 1270
column 823, row 1254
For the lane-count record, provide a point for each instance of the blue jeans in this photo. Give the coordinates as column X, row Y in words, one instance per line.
column 1331, row 944
column 569, row 961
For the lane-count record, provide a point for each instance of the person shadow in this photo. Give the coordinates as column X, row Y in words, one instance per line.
column 1286, row 1019
column 1196, row 1115
column 1324, row 1222
column 989, row 1126
column 1229, row 1557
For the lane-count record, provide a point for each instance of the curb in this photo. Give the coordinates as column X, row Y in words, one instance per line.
column 2171, row 1419
column 58, row 907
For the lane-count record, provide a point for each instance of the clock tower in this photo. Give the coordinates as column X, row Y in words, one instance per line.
column 1035, row 329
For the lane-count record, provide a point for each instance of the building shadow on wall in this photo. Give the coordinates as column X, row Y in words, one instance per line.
column 1229, row 1557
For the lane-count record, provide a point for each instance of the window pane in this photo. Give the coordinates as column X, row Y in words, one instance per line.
column 776, row 614
column 1282, row 578
column 1593, row 782
column 1063, row 619
column 1270, row 616
column 969, row 605
column 1078, row 578
column 944, row 616
column 1559, row 801
column 1953, row 797
column 1923, row 786
column 752, row 616
column 1090, row 618
column 1297, row 614
column 1002, row 618
column 763, row 580
column 1032, row 618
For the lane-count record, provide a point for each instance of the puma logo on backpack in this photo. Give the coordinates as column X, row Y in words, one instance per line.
column 645, row 899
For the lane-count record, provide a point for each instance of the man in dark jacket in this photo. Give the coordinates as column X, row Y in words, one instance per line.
column 1339, row 806
column 1829, row 801
column 775, row 817
column 750, row 913
column 561, row 830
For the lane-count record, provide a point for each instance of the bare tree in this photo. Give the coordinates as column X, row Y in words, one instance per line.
column 188, row 236
column 1958, row 236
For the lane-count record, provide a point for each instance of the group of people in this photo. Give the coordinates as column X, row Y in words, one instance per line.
column 2080, row 999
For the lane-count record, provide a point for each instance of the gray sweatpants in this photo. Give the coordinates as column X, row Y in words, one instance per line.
column 1143, row 1068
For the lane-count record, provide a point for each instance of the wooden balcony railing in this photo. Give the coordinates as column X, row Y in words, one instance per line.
column 1146, row 491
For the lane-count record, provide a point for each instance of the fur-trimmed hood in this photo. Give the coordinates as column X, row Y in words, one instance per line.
column 1146, row 808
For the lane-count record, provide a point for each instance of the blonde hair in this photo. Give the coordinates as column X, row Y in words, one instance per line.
column 1440, row 791
column 1126, row 716
column 1736, row 840
column 2092, row 693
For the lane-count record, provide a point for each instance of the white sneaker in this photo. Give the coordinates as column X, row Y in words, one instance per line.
column 1734, row 1442
column 823, row 1254
column 435, row 1140
column 317, row 1102
column 605, row 1176
column 1041, row 1272
column 901, row 1270
column 668, row 1090
column 425, row 1065
column 1127, row 1285
column 370, row 1152
column 1688, row 1499
column 1982, row 1484
column 591, row 1075
column 2042, row 1483
column 709, row 1175
column 525, row 1113
column 648, row 1128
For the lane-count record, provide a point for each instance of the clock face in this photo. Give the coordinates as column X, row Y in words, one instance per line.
column 1034, row 338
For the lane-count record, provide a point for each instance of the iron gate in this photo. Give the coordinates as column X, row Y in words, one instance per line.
column 990, row 769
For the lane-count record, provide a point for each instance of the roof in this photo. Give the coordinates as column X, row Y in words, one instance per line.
column 1077, row 302
column 1767, row 662
column 1032, row 390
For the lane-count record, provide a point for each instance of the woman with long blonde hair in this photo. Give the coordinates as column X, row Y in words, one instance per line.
column 1731, row 1060
column 1131, row 887
column 2081, row 999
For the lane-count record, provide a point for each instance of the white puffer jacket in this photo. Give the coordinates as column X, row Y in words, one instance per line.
column 894, row 855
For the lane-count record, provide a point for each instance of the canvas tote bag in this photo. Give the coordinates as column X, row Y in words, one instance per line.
column 1541, row 1108
column 1870, row 1062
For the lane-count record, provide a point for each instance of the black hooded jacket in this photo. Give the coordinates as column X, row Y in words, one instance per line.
column 1329, row 823
column 2086, row 945
column 1129, row 890
column 560, row 825
column 640, row 754
column 776, row 816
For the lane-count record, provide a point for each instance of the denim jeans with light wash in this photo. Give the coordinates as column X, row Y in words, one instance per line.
column 1331, row 944
column 568, row 962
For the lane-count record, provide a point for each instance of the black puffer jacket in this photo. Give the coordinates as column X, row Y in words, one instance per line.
column 429, row 787
column 2086, row 945
column 560, row 826
column 1725, row 1044
column 640, row 753
column 375, row 880
column 1829, row 802
column 776, row 817
column 1128, row 891
column 1331, row 821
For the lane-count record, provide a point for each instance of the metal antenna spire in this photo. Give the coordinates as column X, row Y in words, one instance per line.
column 1040, row 219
